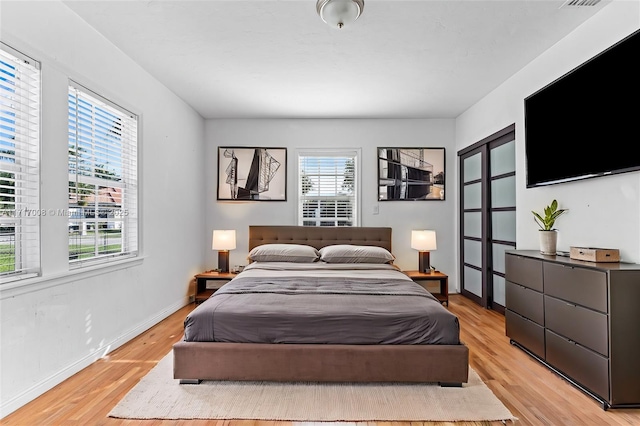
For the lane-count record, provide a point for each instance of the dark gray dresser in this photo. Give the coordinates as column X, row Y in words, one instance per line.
column 581, row 319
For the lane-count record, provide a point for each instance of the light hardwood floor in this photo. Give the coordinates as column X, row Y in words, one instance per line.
column 533, row 393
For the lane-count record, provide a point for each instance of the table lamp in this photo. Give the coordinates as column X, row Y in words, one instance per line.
column 223, row 241
column 423, row 241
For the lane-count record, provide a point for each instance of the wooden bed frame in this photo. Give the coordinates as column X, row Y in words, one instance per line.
column 193, row 362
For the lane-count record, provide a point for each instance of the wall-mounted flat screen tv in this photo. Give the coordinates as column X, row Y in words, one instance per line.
column 586, row 123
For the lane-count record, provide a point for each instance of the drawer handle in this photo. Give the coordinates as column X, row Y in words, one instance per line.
column 570, row 304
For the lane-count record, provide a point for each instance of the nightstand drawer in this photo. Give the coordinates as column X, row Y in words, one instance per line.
column 209, row 282
column 215, row 284
column 423, row 279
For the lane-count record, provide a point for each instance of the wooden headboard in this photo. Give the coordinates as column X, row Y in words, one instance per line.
column 320, row 236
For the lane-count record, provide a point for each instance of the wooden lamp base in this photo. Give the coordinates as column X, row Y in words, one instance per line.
column 223, row 260
column 423, row 262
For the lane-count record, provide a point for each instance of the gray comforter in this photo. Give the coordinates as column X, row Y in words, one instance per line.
column 322, row 303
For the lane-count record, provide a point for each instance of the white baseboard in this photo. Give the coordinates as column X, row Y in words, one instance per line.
column 11, row 405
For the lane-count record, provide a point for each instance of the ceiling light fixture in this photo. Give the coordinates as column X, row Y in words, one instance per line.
column 338, row 13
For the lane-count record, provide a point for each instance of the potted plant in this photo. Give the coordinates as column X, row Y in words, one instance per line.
column 548, row 234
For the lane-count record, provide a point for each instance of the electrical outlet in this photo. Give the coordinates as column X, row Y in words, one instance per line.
column 376, row 209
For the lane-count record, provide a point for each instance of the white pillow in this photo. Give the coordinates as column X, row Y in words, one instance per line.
column 349, row 253
column 298, row 253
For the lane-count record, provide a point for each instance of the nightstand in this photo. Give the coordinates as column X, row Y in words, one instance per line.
column 202, row 292
column 418, row 276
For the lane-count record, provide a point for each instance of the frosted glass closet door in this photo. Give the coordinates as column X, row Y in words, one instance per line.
column 487, row 217
column 503, row 215
column 472, row 224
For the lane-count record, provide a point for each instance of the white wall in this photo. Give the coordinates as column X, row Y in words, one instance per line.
column 604, row 211
column 55, row 325
column 402, row 216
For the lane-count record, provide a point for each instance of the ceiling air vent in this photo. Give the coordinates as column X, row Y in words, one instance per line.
column 578, row 3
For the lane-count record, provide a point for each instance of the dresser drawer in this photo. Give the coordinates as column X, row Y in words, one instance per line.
column 525, row 332
column 582, row 325
column 524, row 271
column 586, row 367
column 525, row 302
column 582, row 286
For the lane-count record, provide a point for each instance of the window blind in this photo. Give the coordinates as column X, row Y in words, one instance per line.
column 103, row 179
column 19, row 165
column 327, row 188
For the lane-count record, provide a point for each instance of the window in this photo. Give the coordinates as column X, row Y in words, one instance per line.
column 328, row 188
column 19, row 165
column 103, row 184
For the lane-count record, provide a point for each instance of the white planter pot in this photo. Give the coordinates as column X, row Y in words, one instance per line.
column 548, row 240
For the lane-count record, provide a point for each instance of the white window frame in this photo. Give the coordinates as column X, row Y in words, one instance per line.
column 106, row 202
column 356, row 154
column 20, row 111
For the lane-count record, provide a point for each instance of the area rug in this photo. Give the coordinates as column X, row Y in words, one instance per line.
column 159, row 396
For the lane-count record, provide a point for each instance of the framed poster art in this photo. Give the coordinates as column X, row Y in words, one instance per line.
column 252, row 173
column 411, row 174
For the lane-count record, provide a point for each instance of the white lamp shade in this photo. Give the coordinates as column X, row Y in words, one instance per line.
column 338, row 13
column 224, row 239
column 423, row 240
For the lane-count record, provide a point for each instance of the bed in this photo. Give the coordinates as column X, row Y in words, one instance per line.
column 323, row 321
